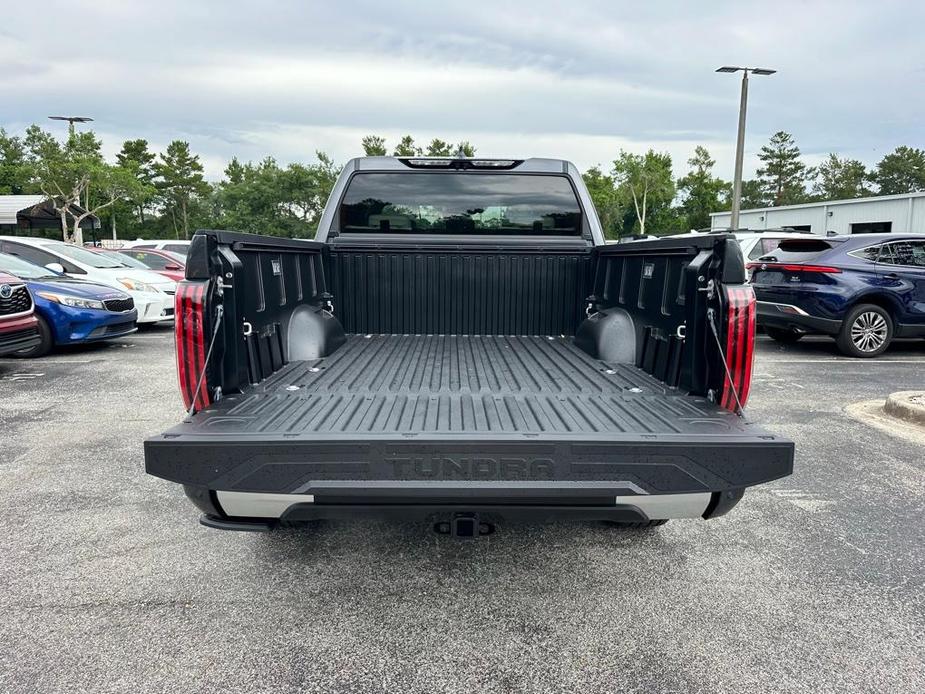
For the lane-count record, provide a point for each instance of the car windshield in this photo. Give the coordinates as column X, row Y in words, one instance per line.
column 178, row 258
column 23, row 269
column 455, row 203
column 126, row 259
column 81, row 255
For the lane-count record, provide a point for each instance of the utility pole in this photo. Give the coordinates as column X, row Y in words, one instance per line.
column 740, row 137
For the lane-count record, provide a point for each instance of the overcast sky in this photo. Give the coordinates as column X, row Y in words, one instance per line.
column 574, row 79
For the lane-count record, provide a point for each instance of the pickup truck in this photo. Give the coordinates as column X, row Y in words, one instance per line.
column 459, row 344
column 18, row 324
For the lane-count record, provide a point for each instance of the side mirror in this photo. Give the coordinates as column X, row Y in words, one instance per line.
column 173, row 268
column 55, row 267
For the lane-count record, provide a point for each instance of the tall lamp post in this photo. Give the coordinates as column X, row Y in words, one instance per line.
column 740, row 139
column 70, row 131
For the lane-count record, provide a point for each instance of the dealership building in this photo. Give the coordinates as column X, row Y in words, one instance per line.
column 885, row 213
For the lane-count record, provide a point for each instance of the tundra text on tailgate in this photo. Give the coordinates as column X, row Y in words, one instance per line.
column 459, row 344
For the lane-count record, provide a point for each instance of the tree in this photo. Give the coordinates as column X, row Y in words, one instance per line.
column 782, row 175
column 65, row 174
column 407, row 148
column 137, row 159
column 607, row 201
column 466, row 148
column 840, row 178
column 439, row 148
column 700, row 191
column 14, row 169
column 901, row 171
column 374, row 146
column 180, row 181
column 646, row 180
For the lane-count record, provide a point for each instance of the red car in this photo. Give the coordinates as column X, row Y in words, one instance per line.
column 18, row 326
column 167, row 263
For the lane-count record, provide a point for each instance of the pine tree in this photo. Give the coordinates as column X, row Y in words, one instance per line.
column 783, row 175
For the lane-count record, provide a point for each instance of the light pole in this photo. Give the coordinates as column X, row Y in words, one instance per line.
column 740, row 138
column 70, row 121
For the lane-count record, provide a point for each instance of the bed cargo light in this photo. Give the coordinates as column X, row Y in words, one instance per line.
column 740, row 346
column 190, row 332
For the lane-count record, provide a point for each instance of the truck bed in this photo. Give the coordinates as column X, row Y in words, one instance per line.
column 396, row 385
column 454, row 410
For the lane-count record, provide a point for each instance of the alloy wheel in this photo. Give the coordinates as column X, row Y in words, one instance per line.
column 869, row 331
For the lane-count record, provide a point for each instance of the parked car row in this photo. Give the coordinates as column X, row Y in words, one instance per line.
column 61, row 294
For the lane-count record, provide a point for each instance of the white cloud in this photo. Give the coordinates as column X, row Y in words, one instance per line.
column 531, row 78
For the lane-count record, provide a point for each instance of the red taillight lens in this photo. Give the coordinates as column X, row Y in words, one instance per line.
column 740, row 345
column 793, row 267
column 190, row 331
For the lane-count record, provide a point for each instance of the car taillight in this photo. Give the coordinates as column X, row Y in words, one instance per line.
column 740, row 345
column 190, row 331
column 793, row 267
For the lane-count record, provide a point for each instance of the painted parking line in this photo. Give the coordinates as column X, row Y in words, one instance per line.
column 858, row 362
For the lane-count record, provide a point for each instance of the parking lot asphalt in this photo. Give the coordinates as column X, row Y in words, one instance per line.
column 813, row 583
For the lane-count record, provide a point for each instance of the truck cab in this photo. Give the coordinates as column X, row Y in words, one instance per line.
column 459, row 344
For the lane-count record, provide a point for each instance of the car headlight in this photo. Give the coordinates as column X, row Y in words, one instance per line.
column 74, row 301
column 137, row 286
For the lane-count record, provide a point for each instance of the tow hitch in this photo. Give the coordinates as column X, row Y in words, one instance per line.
column 465, row 526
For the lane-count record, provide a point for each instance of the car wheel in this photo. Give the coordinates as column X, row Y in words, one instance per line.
column 783, row 335
column 43, row 347
column 866, row 331
column 634, row 525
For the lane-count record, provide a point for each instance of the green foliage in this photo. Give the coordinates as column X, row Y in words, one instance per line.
column 66, row 173
column 701, row 192
column 439, row 148
column 840, row 178
column 466, row 148
column 901, row 171
column 374, row 146
column 647, row 183
column 407, row 148
column 607, row 201
column 782, row 175
column 265, row 198
column 179, row 182
column 15, row 172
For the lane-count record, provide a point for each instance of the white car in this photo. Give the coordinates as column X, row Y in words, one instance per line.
column 153, row 293
column 181, row 247
column 756, row 244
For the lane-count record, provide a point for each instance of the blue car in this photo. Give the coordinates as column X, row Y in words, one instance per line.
column 71, row 311
column 863, row 290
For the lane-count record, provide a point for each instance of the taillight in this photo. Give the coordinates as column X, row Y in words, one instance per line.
column 190, row 331
column 740, row 345
column 793, row 267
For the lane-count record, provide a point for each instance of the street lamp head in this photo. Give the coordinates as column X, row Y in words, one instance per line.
column 72, row 119
column 762, row 71
column 729, row 68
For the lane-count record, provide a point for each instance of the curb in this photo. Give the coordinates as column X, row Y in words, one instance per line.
column 908, row 405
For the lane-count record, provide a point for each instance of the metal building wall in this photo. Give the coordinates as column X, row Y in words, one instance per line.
column 907, row 214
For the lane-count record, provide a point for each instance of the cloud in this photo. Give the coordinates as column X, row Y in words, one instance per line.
column 578, row 80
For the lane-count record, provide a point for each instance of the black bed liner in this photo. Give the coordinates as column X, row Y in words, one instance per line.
column 442, row 408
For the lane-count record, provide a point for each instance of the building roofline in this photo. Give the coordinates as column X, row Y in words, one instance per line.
column 824, row 203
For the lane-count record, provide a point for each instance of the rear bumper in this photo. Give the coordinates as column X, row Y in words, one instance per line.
column 663, row 478
column 792, row 317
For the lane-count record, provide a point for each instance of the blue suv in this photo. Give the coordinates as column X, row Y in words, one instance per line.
column 863, row 290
